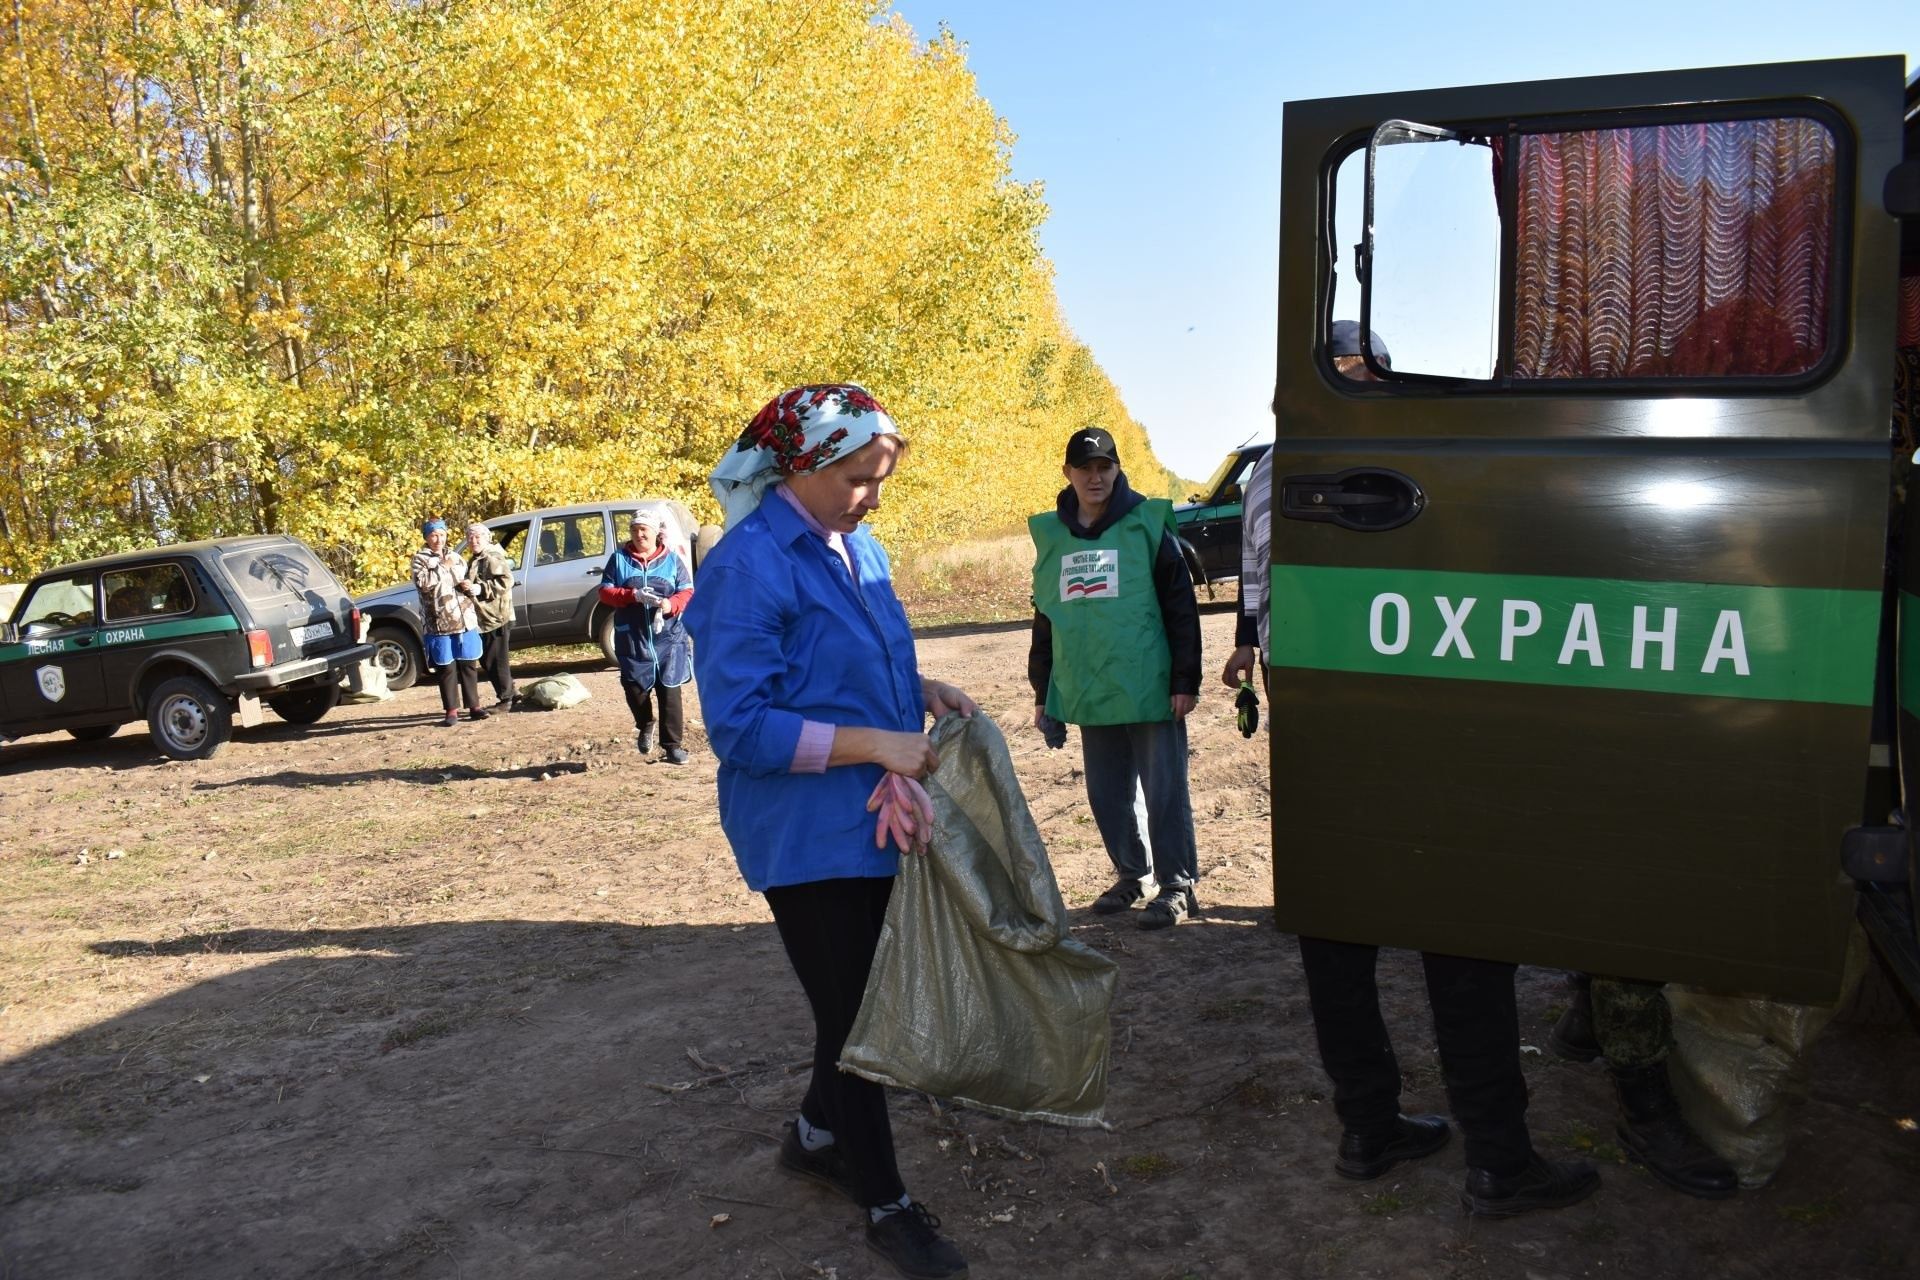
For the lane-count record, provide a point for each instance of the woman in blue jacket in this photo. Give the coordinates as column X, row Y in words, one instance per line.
column 648, row 587
column 812, row 695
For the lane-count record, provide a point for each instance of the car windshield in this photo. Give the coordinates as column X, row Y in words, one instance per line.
column 58, row 604
column 1227, row 472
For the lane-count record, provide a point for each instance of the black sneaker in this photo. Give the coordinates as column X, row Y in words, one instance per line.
column 826, row 1167
column 910, row 1239
column 1123, row 895
column 676, row 755
column 1170, row 908
column 644, row 741
column 1543, row 1184
column 1364, row 1156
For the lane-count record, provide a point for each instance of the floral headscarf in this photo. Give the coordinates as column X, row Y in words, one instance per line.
column 799, row 431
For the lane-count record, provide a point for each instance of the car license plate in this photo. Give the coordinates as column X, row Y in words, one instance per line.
column 308, row 634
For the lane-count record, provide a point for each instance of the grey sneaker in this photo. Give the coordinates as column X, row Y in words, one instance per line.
column 1123, row 895
column 676, row 755
column 1170, row 908
column 644, row 741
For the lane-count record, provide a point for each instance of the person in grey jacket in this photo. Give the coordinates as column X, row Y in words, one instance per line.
column 491, row 573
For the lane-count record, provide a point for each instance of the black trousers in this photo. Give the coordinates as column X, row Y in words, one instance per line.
column 830, row 928
column 463, row 670
column 1475, row 1021
column 673, row 715
column 494, row 664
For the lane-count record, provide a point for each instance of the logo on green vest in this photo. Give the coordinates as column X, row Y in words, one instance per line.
column 1085, row 574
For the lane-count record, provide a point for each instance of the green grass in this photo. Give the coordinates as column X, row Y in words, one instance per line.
column 1147, row 1166
column 1386, row 1203
column 421, row 1029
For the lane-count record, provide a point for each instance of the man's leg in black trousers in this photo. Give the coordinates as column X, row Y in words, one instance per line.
column 673, row 716
column 448, row 676
column 1354, row 1047
column 830, row 929
column 1477, row 1025
column 493, row 663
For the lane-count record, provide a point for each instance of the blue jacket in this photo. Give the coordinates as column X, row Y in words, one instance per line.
column 643, row 656
column 782, row 634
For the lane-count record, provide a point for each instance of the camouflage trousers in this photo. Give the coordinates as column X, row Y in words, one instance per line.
column 1631, row 1021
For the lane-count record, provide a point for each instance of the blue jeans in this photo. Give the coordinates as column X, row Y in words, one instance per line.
column 1150, row 760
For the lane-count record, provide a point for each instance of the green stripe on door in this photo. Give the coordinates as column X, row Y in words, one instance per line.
column 120, row 633
column 1794, row 644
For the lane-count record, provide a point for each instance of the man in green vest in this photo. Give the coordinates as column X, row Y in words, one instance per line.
column 1116, row 650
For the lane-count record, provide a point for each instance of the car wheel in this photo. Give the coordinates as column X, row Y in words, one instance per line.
column 94, row 732
column 307, row 705
column 189, row 719
column 704, row 541
column 603, row 635
column 397, row 654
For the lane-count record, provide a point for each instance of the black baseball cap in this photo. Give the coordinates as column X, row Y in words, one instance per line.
column 1089, row 443
column 1343, row 339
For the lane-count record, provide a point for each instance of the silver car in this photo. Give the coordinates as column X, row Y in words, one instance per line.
column 557, row 555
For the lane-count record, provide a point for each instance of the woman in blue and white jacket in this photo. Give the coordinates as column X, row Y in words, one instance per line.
column 815, row 705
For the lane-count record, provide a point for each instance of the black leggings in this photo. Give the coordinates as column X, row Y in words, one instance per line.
column 463, row 670
column 830, row 928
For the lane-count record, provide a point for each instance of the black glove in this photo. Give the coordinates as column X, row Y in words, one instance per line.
column 1246, row 709
column 1053, row 731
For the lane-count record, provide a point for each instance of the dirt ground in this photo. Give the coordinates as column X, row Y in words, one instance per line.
column 379, row 998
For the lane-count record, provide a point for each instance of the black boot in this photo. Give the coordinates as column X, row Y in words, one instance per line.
column 1572, row 1037
column 1653, row 1130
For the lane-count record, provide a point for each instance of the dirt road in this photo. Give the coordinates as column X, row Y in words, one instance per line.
column 384, row 999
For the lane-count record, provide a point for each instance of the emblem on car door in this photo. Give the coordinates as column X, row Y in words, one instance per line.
column 53, row 682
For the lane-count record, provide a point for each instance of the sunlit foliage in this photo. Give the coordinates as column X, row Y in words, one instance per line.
column 323, row 266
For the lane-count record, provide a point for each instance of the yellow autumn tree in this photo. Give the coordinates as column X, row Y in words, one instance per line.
column 325, row 266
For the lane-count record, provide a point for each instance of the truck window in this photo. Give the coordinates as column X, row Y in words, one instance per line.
column 1434, row 289
column 146, row 591
column 1693, row 249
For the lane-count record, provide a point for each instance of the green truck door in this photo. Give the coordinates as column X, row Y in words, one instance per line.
column 1574, row 616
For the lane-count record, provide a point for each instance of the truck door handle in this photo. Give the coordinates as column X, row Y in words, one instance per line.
column 1364, row 499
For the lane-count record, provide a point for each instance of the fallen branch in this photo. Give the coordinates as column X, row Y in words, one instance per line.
column 715, row 1195
column 684, row 1086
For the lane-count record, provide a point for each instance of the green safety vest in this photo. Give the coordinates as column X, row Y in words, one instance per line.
column 1111, row 664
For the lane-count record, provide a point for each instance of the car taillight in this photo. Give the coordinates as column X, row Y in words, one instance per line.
column 357, row 627
column 260, row 649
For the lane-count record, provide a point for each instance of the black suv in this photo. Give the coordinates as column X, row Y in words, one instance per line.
column 1209, row 522
column 182, row 636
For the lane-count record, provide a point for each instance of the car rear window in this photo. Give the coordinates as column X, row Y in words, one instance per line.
column 281, row 574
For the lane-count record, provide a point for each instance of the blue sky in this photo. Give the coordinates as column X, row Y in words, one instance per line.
column 1156, row 129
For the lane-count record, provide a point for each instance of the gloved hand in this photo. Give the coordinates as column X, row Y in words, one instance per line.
column 1053, row 732
column 1246, row 709
column 646, row 599
column 906, row 814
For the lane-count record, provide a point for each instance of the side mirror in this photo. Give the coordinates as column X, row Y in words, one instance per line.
column 9, row 634
column 1193, row 497
column 1229, row 493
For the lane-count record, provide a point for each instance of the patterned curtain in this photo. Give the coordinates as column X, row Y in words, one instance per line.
column 1686, row 250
